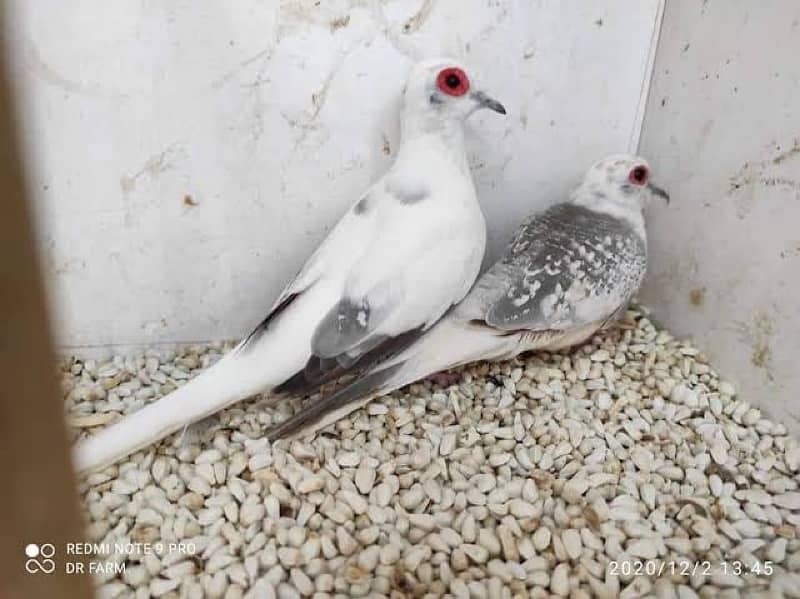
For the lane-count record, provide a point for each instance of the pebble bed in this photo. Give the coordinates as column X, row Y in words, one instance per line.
column 625, row 468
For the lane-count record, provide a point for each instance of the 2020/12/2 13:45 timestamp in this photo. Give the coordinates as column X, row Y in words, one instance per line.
column 688, row 568
column 739, row 568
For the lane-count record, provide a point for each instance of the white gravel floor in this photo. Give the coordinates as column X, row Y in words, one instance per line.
column 625, row 468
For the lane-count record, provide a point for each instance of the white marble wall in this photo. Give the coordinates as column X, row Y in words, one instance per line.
column 188, row 156
column 722, row 129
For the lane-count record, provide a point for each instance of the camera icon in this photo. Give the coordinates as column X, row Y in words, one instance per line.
column 40, row 558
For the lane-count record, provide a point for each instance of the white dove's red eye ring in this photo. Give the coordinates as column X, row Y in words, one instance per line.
column 453, row 81
column 639, row 175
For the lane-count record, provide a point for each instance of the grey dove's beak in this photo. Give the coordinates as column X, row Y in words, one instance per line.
column 657, row 191
column 486, row 101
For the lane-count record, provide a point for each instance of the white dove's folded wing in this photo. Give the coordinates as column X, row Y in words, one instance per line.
column 378, row 312
column 333, row 259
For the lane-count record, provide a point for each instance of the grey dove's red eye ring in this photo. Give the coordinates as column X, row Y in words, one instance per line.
column 639, row 175
column 453, row 81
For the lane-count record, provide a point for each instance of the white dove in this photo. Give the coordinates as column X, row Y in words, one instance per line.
column 568, row 272
column 405, row 252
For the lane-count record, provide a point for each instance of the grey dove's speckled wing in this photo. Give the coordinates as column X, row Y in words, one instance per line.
column 567, row 266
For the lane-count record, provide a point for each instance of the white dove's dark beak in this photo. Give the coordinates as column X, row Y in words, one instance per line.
column 486, row 101
column 657, row 191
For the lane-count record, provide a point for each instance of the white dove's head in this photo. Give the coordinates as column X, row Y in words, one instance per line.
column 441, row 90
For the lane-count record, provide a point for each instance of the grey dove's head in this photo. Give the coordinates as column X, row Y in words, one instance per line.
column 443, row 90
column 622, row 180
column 620, row 186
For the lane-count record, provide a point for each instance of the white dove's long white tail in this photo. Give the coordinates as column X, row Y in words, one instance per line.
column 254, row 366
column 228, row 381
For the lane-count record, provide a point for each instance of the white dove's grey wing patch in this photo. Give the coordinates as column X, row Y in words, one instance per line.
column 572, row 266
column 319, row 370
column 345, row 340
column 345, row 327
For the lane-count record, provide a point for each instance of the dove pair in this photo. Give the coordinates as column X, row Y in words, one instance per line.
column 390, row 295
